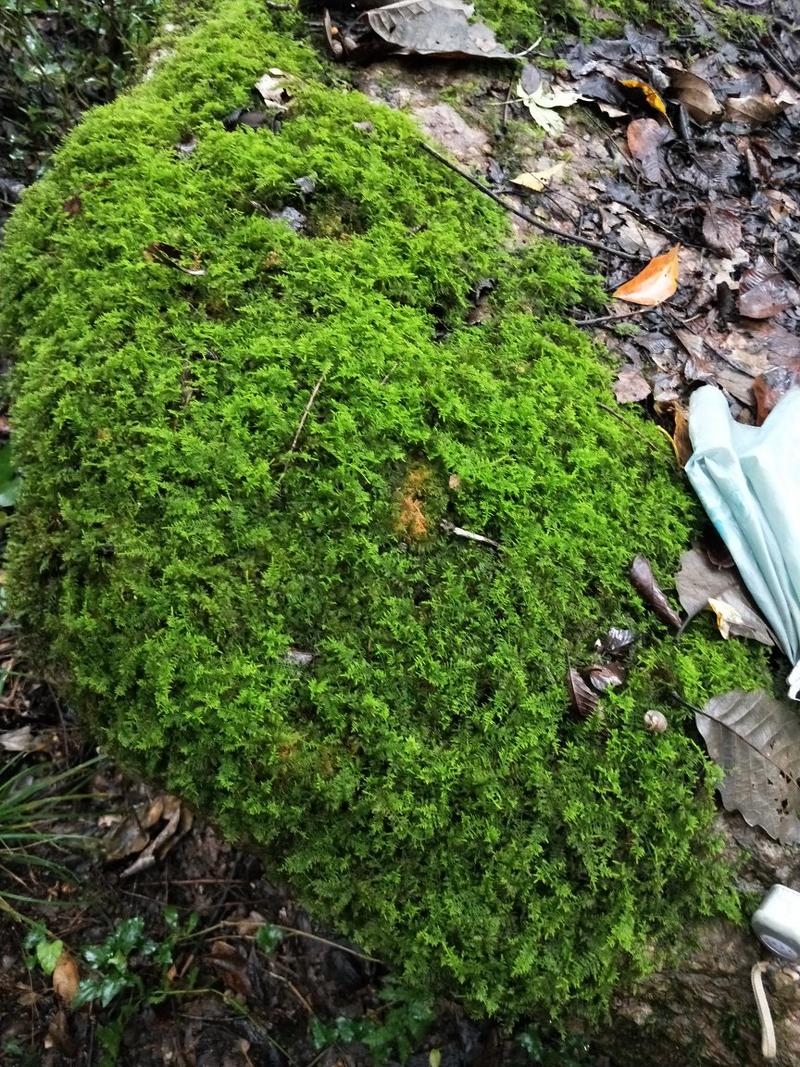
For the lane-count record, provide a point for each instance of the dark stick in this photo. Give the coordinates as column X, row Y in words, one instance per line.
column 612, row 317
column 573, row 238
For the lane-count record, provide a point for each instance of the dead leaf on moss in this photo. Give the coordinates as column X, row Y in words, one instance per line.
column 73, row 206
column 756, row 741
column 435, row 28
column 702, row 586
column 271, row 88
column 603, row 676
column 655, row 284
column 643, row 579
column 583, row 699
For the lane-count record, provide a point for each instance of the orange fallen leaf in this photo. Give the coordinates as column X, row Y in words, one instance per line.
column 650, row 95
column 66, row 977
column 655, row 284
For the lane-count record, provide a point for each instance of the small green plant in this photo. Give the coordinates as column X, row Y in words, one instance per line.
column 116, row 961
column 557, row 1051
column 33, row 799
column 393, row 1035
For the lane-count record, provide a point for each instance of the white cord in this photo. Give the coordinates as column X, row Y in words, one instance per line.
column 769, row 1049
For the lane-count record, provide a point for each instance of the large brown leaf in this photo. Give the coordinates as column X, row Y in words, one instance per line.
column 435, row 28
column 756, row 741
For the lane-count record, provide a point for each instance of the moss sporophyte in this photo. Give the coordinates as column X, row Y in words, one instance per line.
column 418, row 782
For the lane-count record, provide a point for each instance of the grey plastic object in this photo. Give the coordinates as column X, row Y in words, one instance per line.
column 748, row 479
column 777, row 922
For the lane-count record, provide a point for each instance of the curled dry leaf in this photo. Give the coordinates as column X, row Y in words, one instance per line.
column 752, row 110
column 756, row 741
column 617, row 640
column 695, row 94
column 722, row 230
column 648, row 92
column 583, row 699
column 435, row 28
column 645, row 138
column 681, row 441
column 644, row 582
column 603, row 676
column 655, row 284
column 272, row 90
column 764, row 292
column 66, row 977
column 739, row 620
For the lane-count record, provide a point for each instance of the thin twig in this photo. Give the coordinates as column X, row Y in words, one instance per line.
column 570, row 237
column 303, row 417
column 306, row 410
column 331, row 944
column 776, row 60
column 612, row 317
column 625, row 422
column 468, row 535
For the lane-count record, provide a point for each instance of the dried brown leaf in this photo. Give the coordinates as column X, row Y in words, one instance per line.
column 231, row 963
column 695, row 94
column 66, row 977
column 170, row 256
column 752, row 110
column 645, row 138
column 431, row 28
column 722, row 229
column 701, row 586
column 756, row 741
column 770, row 386
column 764, row 291
column 643, row 579
column 583, row 699
column 630, row 386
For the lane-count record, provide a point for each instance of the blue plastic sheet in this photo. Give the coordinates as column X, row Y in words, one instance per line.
column 748, row 479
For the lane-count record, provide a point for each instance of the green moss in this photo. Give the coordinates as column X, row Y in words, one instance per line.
column 187, row 519
column 520, row 23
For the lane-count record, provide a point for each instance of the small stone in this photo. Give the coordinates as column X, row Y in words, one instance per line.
column 655, row 722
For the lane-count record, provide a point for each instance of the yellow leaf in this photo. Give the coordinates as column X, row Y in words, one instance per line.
column 650, row 95
column 537, row 180
column 434, row 1057
column 655, row 284
column 66, row 977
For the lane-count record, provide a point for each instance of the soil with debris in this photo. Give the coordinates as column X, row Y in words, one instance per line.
column 689, row 142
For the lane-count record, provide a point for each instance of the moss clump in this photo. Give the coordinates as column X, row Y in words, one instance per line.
column 188, row 519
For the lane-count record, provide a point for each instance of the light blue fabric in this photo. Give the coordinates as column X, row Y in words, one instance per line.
column 748, row 479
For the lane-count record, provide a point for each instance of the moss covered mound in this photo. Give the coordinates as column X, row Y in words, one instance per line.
column 223, row 468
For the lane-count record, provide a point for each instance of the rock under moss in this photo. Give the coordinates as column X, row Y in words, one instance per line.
column 223, row 467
